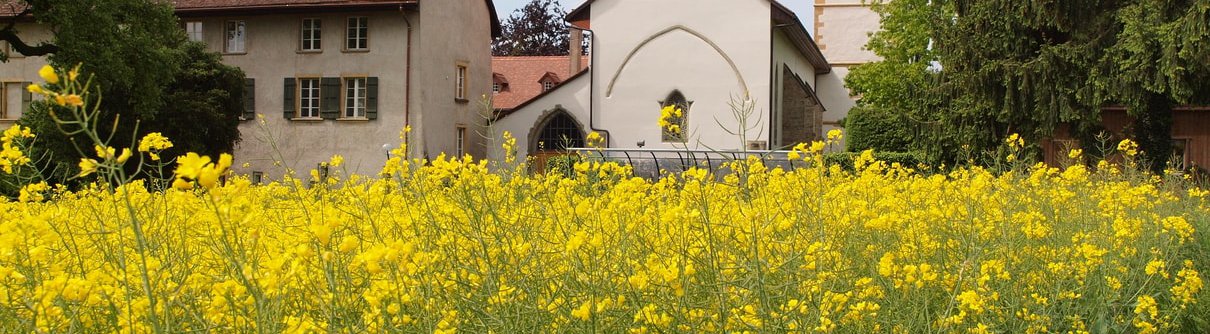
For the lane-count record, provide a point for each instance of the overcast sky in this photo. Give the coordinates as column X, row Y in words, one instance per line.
column 802, row 7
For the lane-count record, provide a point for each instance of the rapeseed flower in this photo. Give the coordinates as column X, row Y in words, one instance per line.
column 87, row 166
column 451, row 246
column 1128, row 147
column 48, row 74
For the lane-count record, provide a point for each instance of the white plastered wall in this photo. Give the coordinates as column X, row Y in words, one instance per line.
column 710, row 50
column 842, row 30
column 571, row 97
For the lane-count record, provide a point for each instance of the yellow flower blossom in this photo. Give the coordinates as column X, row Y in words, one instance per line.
column 1128, row 147
column 36, row 89
column 33, row 192
column 87, row 166
column 48, row 74
column 458, row 245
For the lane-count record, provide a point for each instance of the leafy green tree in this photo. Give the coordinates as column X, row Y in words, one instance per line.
column 997, row 67
column 205, row 92
column 897, row 93
column 141, row 67
column 1159, row 59
column 1020, row 67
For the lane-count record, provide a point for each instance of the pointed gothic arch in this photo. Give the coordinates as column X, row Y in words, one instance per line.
column 739, row 76
column 556, row 131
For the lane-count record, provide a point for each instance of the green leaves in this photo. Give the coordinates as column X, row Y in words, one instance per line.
column 1031, row 66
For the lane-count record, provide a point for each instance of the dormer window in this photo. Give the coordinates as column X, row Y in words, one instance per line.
column 549, row 81
column 499, row 83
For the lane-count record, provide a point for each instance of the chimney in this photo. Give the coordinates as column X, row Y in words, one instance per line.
column 574, row 49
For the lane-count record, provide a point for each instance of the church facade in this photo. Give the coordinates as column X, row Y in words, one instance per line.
column 710, row 58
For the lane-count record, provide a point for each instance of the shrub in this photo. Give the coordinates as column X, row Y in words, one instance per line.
column 879, row 130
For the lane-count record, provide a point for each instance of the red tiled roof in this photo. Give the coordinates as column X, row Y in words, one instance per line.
column 213, row 4
column 9, row 8
column 12, row 7
column 523, row 75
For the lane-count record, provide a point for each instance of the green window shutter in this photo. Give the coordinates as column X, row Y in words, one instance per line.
column 249, row 99
column 289, row 100
column 329, row 93
column 372, row 97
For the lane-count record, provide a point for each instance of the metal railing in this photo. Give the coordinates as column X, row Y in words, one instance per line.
column 650, row 162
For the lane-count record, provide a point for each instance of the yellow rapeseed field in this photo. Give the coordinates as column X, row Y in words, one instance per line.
column 453, row 245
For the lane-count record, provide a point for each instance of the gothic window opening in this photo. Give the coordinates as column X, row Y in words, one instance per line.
column 560, row 133
column 674, row 124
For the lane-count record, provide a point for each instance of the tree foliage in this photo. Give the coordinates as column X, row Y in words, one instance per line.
column 537, row 29
column 878, row 129
column 1028, row 67
column 897, row 92
column 144, row 71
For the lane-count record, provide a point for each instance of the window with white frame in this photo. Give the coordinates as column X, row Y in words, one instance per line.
column 495, row 88
column 308, row 98
column 548, row 85
column 460, row 82
column 355, row 97
column 193, row 29
column 236, row 37
column 357, row 34
column 311, row 31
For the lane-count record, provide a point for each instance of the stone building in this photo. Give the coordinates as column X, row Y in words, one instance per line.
column 338, row 76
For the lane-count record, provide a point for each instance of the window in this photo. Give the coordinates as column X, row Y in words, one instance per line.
column 357, row 34
column 308, row 98
column 236, row 37
column 193, row 29
column 14, row 100
column 355, row 98
column 332, row 98
column 311, row 31
column 549, row 81
column 460, row 89
column 560, row 132
column 495, row 88
column 249, row 99
column 676, row 129
column 461, row 148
